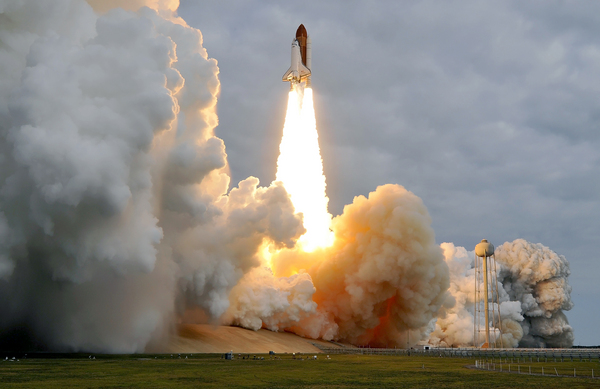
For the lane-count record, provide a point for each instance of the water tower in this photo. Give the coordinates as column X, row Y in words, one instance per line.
column 486, row 281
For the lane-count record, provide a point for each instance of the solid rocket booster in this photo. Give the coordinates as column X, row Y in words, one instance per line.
column 299, row 70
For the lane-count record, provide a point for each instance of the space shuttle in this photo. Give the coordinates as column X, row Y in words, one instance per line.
column 299, row 70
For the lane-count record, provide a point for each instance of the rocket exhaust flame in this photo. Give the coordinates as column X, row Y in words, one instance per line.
column 300, row 168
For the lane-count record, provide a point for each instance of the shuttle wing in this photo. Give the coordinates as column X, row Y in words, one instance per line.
column 296, row 75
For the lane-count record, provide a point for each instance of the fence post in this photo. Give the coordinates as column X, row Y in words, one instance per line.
column 556, row 371
column 542, row 370
column 574, row 373
column 519, row 368
column 529, row 370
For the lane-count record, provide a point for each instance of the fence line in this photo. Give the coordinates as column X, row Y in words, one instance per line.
column 487, row 365
column 520, row 355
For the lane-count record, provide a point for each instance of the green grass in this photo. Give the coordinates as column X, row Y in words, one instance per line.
column 209, row 371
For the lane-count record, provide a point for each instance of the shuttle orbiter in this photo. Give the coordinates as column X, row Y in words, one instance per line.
column 299, row 70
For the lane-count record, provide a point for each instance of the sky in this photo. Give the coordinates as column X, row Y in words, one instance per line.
column 488, row 111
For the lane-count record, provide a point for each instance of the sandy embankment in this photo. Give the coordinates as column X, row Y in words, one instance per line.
column 204, row 338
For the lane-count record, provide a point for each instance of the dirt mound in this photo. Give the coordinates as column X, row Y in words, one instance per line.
column 204, row 338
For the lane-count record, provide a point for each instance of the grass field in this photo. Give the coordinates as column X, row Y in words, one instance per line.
column 210, row 371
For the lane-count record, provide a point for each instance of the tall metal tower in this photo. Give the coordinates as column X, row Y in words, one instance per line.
column 486, row 281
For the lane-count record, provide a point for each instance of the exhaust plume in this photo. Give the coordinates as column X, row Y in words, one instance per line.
column 300, row 168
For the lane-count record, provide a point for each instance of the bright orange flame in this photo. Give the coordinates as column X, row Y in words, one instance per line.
column 300, row 168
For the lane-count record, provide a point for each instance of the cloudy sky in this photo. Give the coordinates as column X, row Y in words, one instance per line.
column 488, row 111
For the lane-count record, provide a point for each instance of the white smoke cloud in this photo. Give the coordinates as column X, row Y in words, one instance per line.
column 262, row 300
column 78, row 125
column 454, row 324
column 214, row 255
column 113, row 201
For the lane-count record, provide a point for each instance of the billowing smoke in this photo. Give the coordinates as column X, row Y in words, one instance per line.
column 536, row 276
column 262, row 300
column 117, row 219
column 82, row 100
column 533, row 293
column 383, row 276
column 114, row 216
